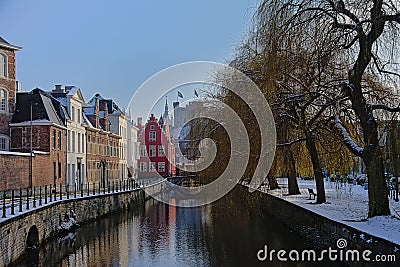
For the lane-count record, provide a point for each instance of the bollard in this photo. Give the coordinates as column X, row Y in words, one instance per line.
column 55, row 193
column 104, row 188
column 108, row 186
column 27, row 198
column 45, row 194
column 50, row 193
column 113, row 187
column 88, row 188
column 20, row 200
column 94, row 188
column 67, row 191
column 74, row 190
column 40, row 195
column 99, row 188
column 120, row 183
column 60, row 192
column 34, row 197
column 81, row 189
column 12, row 202
column 4, row 205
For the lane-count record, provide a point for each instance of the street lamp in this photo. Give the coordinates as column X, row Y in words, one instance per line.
column 30, row 158
column 31, row 146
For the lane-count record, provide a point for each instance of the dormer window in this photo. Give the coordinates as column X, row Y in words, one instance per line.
column 3, row 65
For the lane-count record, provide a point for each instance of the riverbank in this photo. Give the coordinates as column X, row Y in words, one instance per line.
column 37, row 226
column 345, row 203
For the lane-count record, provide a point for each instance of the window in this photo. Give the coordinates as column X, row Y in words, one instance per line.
column 152, row 136
column 3, row 143
column 3, row 100
column 83, row 143
column 54, row 139
column 73, row 175
column 152, row 167
column 143, row 166
column 69, row 141
column 79, row 142
column 152, row 151
column 73, row 141
column 161, row 151
column 3, row 65
column 79, row 115
column 59, row 170
column 73, row 113
column 161, row 167
column 152, row 127
column 59, row 140
column 54, row 170
column 143, row 151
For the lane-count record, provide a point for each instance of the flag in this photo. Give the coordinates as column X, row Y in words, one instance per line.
column 196, row 94
column 180, row 94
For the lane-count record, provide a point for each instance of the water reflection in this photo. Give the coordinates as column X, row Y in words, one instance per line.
column 221, row 234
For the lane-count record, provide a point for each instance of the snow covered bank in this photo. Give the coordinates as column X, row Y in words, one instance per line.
column 347, row 204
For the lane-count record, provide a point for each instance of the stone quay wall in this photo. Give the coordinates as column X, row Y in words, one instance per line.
column 44, row 221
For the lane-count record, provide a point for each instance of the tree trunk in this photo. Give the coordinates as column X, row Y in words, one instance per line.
column 319, row 177
column 372, row 155
column 377, row 189
column 273, row 184
column 290, row 166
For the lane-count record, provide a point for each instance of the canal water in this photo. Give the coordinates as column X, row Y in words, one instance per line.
column 225, row 233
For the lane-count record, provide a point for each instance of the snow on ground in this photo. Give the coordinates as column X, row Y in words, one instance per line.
column 346, row 203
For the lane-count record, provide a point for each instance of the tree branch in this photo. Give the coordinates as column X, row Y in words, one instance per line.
column 392, row 18
column 348, row 141
column 292, row 142
column 384, row 107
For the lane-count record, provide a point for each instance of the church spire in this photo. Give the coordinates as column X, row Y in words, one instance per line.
column 165, row 117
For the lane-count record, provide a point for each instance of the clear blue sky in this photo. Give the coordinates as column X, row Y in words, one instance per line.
column 112, row 47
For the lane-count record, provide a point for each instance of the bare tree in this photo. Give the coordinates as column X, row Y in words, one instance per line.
column 365, row 35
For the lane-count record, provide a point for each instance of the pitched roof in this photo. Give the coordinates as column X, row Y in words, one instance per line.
column 5, row 44
column 45, row 108
column 112, row 107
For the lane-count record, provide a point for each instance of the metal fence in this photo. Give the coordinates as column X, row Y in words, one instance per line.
column 24, row 199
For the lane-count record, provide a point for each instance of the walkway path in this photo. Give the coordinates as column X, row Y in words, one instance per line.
column 346, row 203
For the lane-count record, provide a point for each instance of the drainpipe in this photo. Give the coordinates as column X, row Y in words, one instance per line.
column 66, row 153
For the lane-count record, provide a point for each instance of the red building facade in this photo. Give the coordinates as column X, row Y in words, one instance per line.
column 155, row 145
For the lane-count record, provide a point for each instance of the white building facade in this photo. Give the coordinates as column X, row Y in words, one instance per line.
column 71, row 97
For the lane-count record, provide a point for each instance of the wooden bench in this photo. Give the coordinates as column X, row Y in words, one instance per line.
column 311, row 192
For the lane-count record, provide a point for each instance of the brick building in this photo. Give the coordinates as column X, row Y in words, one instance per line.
column 7, row 90
column 102, row 146
column 39, row 123
column 155, row 144
column 118, row 124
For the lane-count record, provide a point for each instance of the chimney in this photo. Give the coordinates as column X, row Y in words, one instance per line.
column 18, row 86
column 96, row 113
column 139, row 122
column 58, row 89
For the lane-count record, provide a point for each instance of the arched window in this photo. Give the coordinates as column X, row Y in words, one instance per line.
column 3, row 100
column 3, row 65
